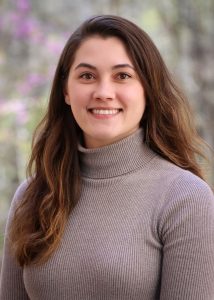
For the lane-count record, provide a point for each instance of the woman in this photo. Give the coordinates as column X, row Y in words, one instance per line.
column 115, row 206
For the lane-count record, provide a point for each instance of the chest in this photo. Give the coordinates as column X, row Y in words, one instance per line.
column 108, row 251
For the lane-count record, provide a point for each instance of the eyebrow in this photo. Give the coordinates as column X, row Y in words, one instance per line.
column 86, row 65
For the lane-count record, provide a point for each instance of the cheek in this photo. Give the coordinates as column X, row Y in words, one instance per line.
column 78, row 98
column 80, row 93
column 134, row 98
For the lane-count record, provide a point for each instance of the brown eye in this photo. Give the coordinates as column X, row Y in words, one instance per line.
column 87, row 76
column 123, row 76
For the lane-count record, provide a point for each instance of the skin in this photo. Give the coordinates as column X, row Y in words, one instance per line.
column 104, row 91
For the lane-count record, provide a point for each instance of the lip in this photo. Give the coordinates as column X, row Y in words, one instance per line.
column 100, row 112
column 103, row 107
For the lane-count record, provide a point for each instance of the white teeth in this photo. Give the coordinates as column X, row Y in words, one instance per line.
column 105, row 111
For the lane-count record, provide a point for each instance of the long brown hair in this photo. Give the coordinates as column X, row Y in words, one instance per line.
column 55, row 182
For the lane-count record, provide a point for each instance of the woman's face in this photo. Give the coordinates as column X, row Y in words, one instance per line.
column 104, row 91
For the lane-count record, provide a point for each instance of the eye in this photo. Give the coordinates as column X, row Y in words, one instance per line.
column 87, row 76
column 123, row 76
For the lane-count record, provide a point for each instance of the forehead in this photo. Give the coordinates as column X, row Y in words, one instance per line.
column 99, row 49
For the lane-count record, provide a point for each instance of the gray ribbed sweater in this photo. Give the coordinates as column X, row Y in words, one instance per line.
column 143, row 229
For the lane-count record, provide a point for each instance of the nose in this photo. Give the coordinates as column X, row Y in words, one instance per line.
column 104, row 90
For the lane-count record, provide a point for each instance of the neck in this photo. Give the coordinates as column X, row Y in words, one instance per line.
column 116, row 159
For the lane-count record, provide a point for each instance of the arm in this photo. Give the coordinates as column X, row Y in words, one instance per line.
column 11, row 281
column 187, row 232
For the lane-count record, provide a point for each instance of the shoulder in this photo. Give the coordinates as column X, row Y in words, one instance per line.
column 187, row 185
column 188, row 205
column 189, row 194
column 179, row 193
column 17, row 198
column 21, row 190
column 177, row 179
column 19, row 193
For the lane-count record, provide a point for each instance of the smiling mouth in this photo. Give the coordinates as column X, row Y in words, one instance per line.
column 105, row 111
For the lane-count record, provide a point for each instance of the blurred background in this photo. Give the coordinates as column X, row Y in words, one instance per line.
column 32, row 35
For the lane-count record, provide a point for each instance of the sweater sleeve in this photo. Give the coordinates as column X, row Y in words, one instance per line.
column 11, row 282
column 186, row 228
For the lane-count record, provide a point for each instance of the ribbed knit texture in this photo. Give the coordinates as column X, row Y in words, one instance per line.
column 142, row 229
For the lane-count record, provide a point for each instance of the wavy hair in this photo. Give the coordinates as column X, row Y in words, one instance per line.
column 55, row 182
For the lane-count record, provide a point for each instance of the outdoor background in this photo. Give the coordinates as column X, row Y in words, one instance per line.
column 32, row 35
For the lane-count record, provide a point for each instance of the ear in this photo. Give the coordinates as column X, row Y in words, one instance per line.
column 67, row 100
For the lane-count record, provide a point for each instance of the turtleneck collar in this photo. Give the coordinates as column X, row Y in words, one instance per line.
column 116, row 159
